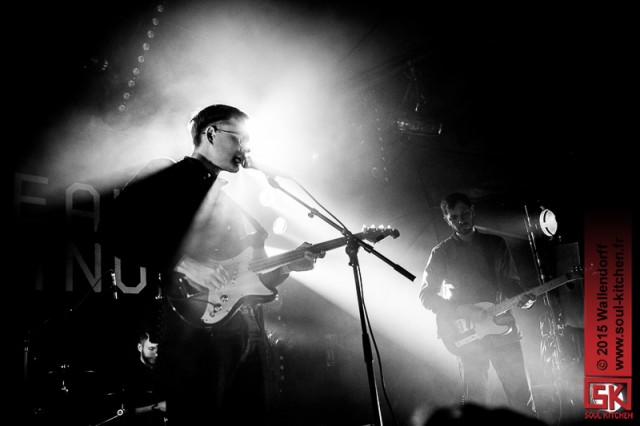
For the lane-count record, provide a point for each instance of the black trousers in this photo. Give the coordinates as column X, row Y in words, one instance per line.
column 215, row 378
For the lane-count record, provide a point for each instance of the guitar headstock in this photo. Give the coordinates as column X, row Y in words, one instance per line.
column 375, row 234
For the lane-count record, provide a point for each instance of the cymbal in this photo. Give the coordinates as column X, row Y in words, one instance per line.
column 71, row 377
column 67, row 369
column 122, row 391
column 72, row 372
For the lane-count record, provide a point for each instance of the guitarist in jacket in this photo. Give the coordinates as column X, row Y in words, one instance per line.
column 174, row 217
column 466, row 272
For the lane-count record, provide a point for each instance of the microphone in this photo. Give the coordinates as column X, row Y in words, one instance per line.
column 114, row 284
column 250, row 163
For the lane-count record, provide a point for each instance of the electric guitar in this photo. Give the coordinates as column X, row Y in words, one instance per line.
column 211, row 308
column 464, row 337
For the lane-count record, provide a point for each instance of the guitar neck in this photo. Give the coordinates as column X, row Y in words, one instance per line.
column 536, row 291
column 373, row 234
column 272, row 262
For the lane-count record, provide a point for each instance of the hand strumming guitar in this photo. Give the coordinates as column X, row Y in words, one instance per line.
column 210, row 276
column 526, row 301
column 472, row 312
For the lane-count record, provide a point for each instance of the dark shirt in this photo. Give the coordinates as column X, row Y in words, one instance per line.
column 474, row 271
column 158, row 219
column 171, row 209
column 142, row 391
column 149, row 219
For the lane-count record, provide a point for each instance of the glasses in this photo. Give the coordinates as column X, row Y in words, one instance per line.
column 240, row 137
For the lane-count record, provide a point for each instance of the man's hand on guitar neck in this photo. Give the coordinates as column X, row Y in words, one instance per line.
column 526, row 301
column 305, row 264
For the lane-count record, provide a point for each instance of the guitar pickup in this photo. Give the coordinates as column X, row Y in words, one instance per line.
column 467, row 340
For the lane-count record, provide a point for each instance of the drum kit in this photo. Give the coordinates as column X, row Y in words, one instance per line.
column 74, row 396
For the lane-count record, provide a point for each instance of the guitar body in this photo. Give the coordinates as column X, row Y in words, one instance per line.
column 215, row 307
column 204, row 306
column 463, row 337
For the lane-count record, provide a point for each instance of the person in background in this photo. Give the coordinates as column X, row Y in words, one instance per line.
column 466, row 274
column 144, row 400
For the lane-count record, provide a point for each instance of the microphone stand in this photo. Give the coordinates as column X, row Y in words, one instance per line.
column 353, row 244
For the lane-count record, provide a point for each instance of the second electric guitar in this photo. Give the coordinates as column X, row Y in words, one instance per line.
column 462, row 336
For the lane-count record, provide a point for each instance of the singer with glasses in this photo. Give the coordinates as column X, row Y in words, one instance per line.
column 176, row 219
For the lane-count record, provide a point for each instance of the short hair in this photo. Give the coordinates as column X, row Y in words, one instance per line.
column 143, row 336
column 212, row 114
column 450, row 201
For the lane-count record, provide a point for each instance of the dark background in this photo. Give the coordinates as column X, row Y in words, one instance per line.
column 534, row 104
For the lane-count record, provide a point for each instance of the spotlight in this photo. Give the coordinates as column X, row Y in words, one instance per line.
column 544, row 222
column 548, row 223
column 279, row 225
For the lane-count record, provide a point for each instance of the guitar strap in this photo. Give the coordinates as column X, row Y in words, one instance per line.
column 256, row 225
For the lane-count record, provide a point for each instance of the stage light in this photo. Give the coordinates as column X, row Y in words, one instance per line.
column 279, row 225
column 548, row 223
column 541, row 222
